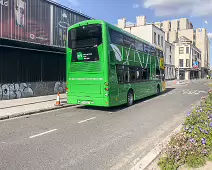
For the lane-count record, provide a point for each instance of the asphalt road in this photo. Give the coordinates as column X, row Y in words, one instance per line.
column 94, row 138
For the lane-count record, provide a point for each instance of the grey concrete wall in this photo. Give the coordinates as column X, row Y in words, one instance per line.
column 33, row 89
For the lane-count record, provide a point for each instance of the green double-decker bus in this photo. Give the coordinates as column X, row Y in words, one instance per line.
column 107, row 66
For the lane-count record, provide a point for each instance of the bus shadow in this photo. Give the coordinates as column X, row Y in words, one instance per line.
column 122, row 107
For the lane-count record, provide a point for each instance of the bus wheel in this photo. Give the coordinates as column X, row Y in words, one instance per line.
column 130, row 98
column 158, row 90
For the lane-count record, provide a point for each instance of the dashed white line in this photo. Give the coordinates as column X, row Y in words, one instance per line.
column 87, row 120
column 40, row 134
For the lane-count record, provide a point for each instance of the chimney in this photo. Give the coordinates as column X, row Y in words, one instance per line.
column 122, row 23
column 141, row 20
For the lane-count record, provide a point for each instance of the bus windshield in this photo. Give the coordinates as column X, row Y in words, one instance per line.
column 85, row 36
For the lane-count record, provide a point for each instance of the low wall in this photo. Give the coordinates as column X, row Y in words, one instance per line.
column 33, row 89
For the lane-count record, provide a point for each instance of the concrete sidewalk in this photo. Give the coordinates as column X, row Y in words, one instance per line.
column 27, row 106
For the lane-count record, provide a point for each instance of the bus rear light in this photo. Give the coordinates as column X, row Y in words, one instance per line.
column 107, row 89
column 106, row 84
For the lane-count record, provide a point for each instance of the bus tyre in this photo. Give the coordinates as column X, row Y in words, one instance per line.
column 130, row 98
column 158, row 90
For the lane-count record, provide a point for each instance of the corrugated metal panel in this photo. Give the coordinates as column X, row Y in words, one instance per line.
column 21, row 65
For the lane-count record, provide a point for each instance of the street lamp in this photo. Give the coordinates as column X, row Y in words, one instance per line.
column 178, row 73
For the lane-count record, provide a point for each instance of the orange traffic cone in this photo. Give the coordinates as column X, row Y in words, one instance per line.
column 58, row 100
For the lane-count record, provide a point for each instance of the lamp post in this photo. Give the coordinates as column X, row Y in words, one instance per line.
column 178, row 74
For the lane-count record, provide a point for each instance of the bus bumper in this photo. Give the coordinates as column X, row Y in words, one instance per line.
column 87, row 101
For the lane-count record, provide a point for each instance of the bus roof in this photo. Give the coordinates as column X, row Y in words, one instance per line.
column 87, row 22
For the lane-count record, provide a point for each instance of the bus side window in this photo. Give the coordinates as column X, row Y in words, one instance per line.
column 153, row 52
column 144, row 74
column 146, row 48
column 129, row 42
column 139, row 46
column 115, row 37
column 158, row 73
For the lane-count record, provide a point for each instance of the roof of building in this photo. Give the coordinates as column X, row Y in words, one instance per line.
column 186, row 40
column 182, row 39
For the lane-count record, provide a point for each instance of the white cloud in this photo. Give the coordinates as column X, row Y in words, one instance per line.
column 136, row 5
column 180, row 7
column 210, row 35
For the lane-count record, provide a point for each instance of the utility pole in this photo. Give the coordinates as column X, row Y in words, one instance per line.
column 178, row 74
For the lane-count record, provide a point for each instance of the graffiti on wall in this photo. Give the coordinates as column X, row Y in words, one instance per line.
column 15, row 91
column 33, row 89
column 59, row 87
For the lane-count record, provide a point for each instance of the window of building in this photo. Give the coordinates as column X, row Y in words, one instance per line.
column 187, row 50
column 181, row 62
column 155, row 41
column 162, row 41
column 170, row 59
column 187, row 63
column 181, row 50
column 170, row 49
column 170, row 26
column 158, row 39
column 161, row 25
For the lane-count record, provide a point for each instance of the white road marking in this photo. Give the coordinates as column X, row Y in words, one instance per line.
column 42, row 133
column 87, row 120
column 202, row 91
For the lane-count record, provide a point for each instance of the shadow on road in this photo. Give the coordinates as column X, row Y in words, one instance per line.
column 122, row 107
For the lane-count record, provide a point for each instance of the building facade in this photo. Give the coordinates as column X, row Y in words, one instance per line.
column 177, row 28
column 187, row 59
column 169, row 61
column 33, row 36
column 147, row 32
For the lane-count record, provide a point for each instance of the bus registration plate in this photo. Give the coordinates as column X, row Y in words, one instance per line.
column 86, row 102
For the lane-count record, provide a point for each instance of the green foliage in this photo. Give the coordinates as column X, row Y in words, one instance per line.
column 193, row 145
column 196, row 161
column 210, row 156
column 166, row 163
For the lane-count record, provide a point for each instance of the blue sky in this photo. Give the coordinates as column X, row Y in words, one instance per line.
column 155, row 10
